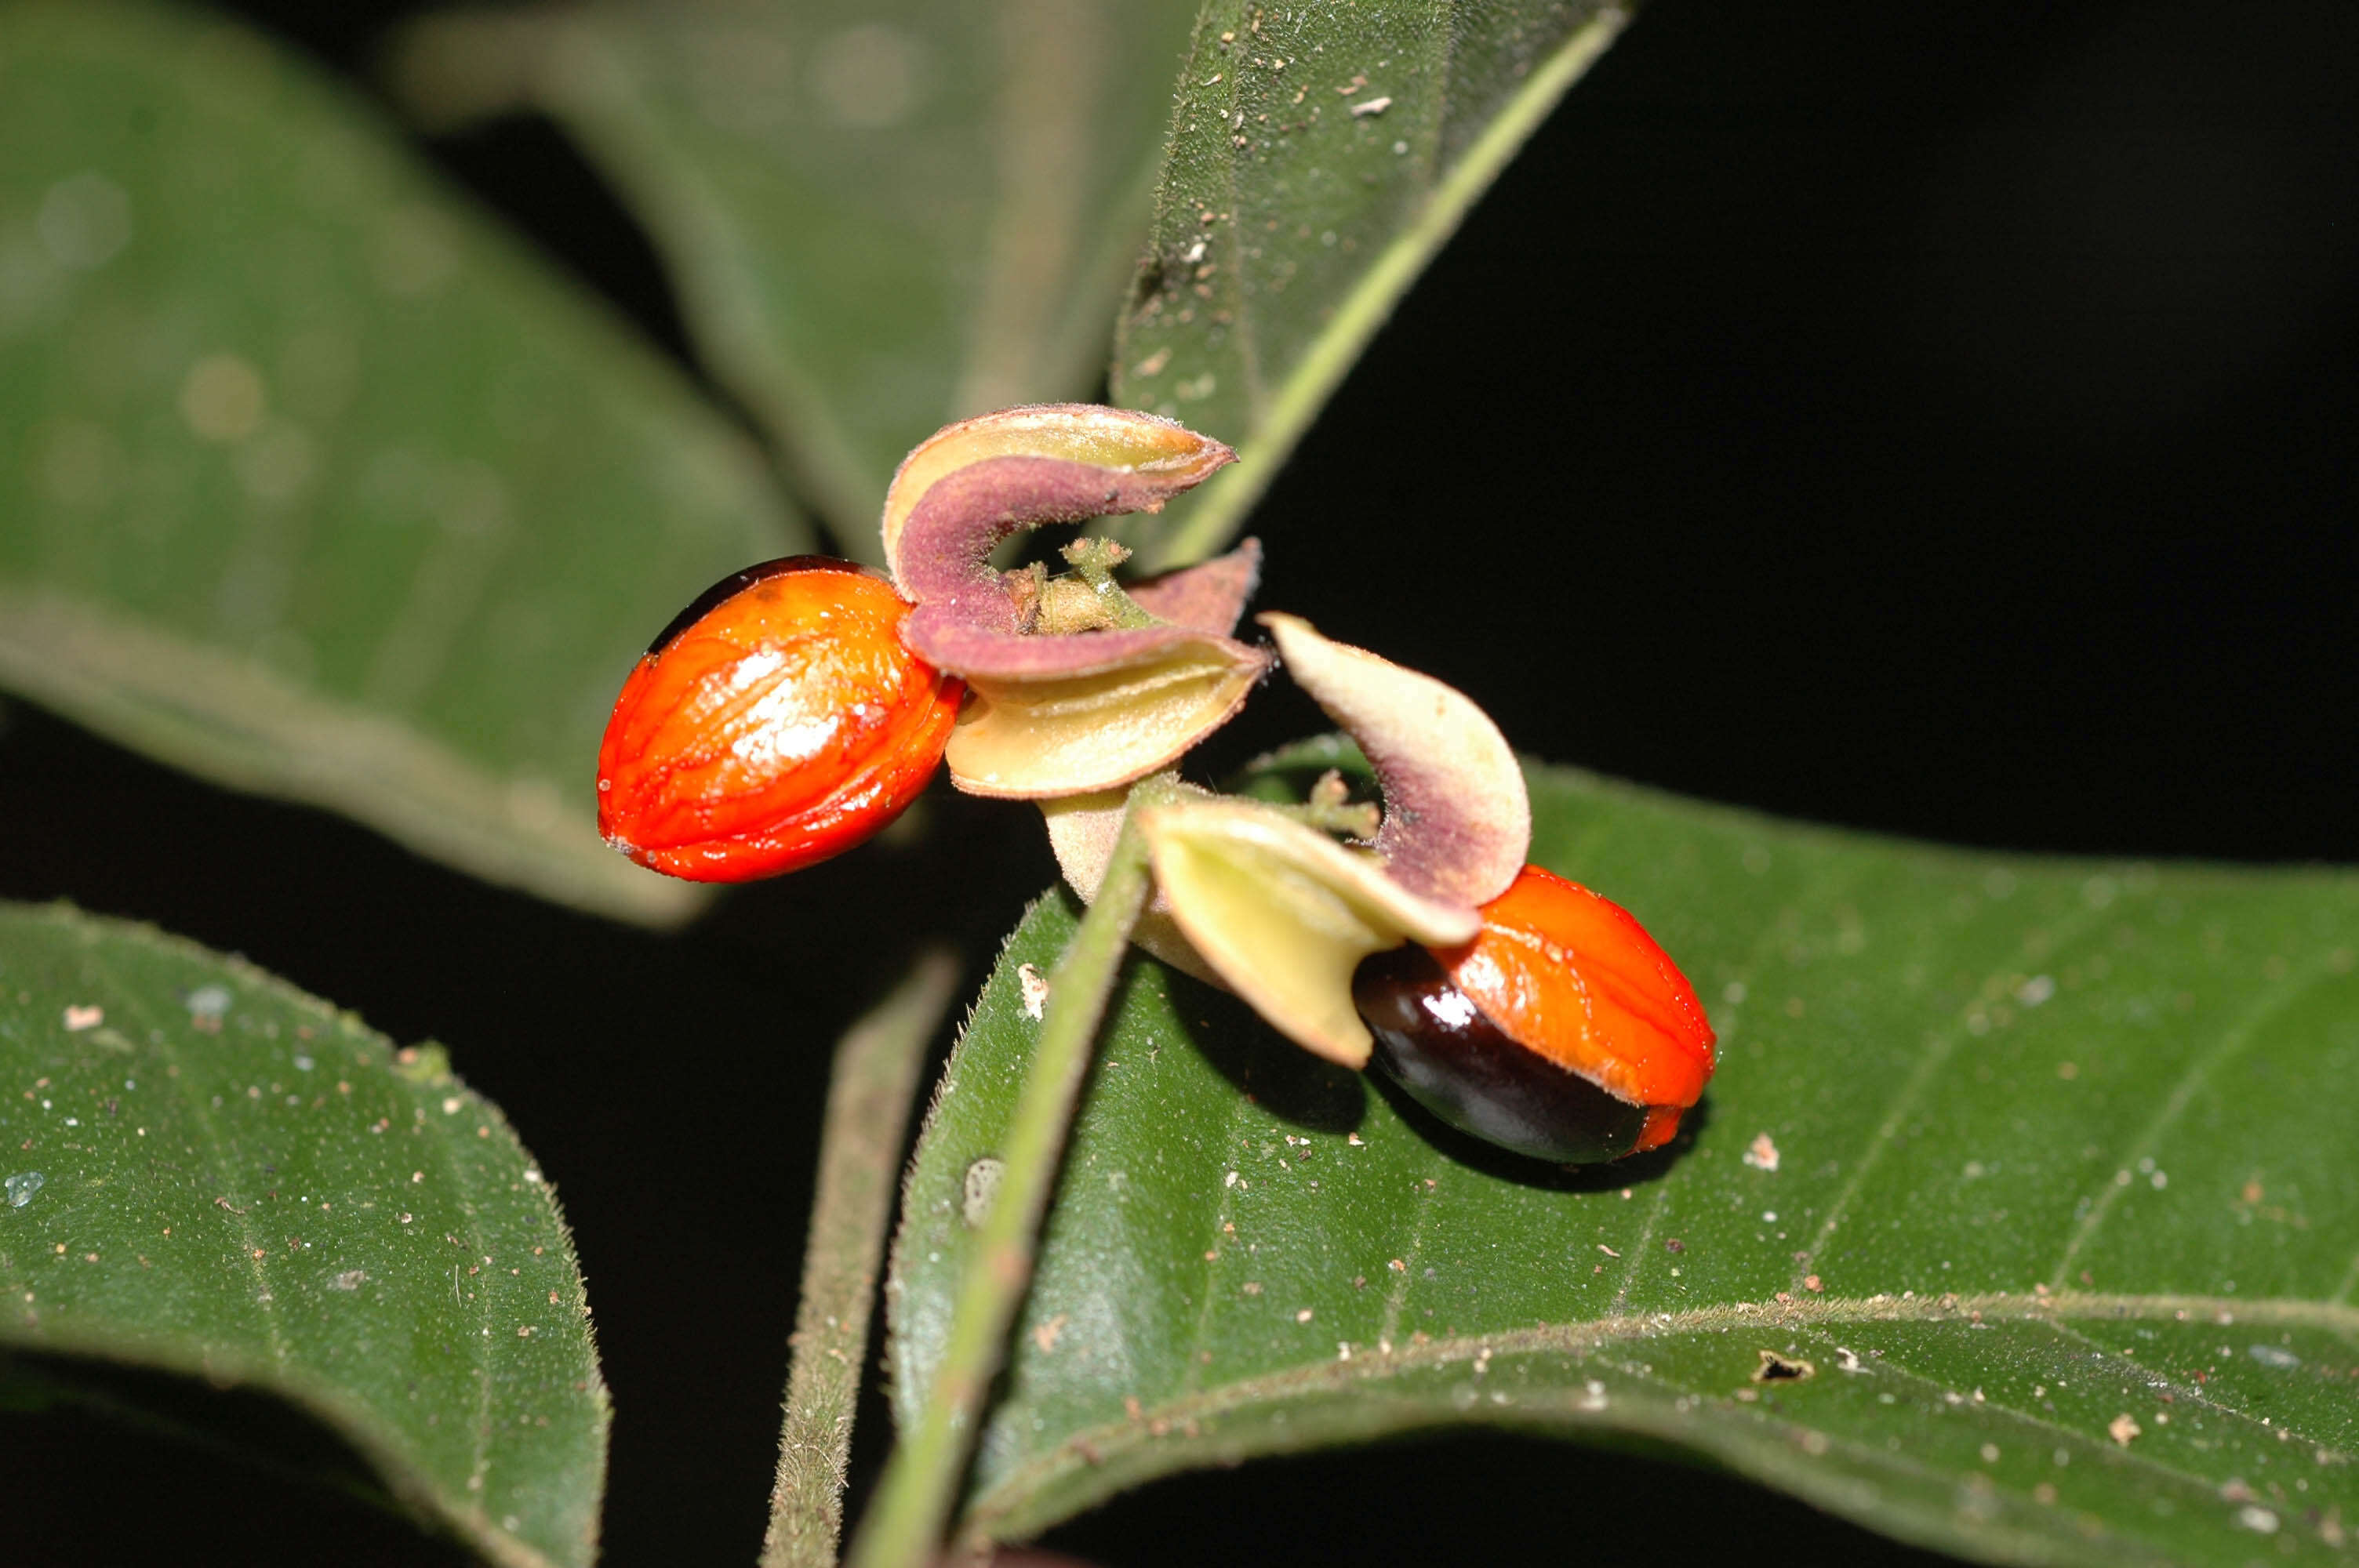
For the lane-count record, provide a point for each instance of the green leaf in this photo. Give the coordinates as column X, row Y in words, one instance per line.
column 1320, row 156
column 2001, row 1151
column 209, row 1173
column 326, row 488
column 879, row 219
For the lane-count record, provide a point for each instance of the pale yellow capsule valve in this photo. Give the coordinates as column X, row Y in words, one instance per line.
column 1282, row 915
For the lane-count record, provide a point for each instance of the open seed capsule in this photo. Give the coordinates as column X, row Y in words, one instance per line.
column 1561, row 1031
column 778, row 721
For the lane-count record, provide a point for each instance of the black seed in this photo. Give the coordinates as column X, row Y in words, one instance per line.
column 1452, row 1059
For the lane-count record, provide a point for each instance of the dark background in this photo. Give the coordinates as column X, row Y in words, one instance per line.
column 1933, row 418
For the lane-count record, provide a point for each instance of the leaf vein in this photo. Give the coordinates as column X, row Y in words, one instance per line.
column 1639, row 1252
column 480, row 1465
column 1396, row 1298
column 2192, row 1393
column 254, row 1257
column 1201, row 1339
column 1937, row 1054
column 2080, row 1437
column 2233, row 1040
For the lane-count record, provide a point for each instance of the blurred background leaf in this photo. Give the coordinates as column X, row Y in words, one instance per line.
column 329, row 489
column 1321, row 156
column 878, row 218
column 210, row 1174
column 2015, row 1221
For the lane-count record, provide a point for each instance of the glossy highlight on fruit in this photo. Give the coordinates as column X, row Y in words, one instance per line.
column 1561, row 1031
column 777, row 722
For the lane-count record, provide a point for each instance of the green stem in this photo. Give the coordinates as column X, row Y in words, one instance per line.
column 870, row 1092
column 906, row 1519
column 1359, row 821
column 1087, row 599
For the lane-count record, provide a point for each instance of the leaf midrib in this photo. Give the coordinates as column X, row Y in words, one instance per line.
column 240, row 721
column 1157, row 1422
column 1443, row 197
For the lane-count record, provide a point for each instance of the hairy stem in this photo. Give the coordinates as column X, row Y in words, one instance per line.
column 870, row 1093
column 1330, row 810
column 904, row 1522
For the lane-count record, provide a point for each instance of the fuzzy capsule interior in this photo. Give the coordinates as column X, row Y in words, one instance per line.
column 776, row 723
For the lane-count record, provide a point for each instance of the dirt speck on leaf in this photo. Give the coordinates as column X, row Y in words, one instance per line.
column 1036, row 988
column 1777, row 1368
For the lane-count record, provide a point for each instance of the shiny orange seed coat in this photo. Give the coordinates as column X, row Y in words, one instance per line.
column 783, row 726
column 1576, row 978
